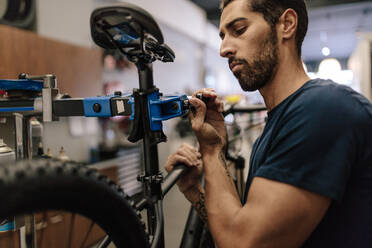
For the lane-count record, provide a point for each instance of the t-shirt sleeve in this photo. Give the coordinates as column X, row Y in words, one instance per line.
column 312, row 148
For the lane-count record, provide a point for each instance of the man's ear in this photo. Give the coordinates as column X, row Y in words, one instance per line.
column 288, row 24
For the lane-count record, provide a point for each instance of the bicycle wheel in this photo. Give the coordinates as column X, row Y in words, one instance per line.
column 32, row 186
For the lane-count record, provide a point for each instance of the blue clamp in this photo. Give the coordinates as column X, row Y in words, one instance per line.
column 163, row 108
column 97, row 106
column 21, row 84
column 124, row 38
column 107, row 106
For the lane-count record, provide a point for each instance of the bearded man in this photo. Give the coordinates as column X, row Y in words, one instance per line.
column 310, row 177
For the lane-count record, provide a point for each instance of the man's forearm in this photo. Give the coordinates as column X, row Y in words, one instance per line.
column 221, row 198
column 217, row 174
column 196, row 196
column 222, row 158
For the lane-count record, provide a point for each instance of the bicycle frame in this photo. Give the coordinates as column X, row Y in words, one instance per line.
column 153, row 190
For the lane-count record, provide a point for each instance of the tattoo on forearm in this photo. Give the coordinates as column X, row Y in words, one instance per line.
column 223, row 160
column 200, row 207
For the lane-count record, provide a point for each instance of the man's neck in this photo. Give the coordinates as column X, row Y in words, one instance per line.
column 289, row 77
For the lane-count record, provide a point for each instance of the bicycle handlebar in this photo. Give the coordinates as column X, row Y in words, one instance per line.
column 246, row 109
column 173, row 177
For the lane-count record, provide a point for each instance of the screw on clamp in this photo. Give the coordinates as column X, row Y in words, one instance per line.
column 187, row 105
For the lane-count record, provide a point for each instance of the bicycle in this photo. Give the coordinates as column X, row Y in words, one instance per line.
column 30, row 186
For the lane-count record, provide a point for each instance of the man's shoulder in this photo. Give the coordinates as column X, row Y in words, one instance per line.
column 329, row 98
column 326, row 91
column 323, row 103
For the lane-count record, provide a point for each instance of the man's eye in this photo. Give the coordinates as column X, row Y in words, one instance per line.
column 240, row 31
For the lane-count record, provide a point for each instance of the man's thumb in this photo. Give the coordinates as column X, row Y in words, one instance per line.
column 197, row 113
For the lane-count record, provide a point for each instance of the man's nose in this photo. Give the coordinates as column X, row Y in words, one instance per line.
column 227, row 49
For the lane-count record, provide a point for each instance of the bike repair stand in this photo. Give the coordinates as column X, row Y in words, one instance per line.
column 137, row 36
column 142, row 130
column 16, row 128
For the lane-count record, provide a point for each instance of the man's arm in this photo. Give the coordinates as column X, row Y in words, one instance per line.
column 275, row 214
column 196, row 196
column 189, row 183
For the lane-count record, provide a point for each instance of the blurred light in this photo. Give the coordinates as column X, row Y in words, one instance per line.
column 329, row 67
column 326, row 51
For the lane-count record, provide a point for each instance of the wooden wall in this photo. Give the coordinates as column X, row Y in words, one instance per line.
column 78, row 69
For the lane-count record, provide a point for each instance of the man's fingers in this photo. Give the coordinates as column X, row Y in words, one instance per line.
column 213, row 100
column 198, row 154
column 207, row 92
column 219, row 105
column 177, row 158
column 191, row 155
column 191, row 149
column 197, row 117
column 186, row 154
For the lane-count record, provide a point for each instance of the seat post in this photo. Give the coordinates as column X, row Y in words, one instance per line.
column 146, row 81
column 152, row 190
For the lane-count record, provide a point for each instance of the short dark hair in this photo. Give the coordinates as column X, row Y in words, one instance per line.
column 273, row 9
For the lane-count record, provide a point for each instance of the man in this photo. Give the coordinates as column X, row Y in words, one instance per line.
column 310, row 178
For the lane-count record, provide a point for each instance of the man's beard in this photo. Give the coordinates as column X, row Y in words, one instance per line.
column 257, row 72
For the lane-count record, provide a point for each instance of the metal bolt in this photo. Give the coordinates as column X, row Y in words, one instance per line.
column 97, row 107
column 175, row 106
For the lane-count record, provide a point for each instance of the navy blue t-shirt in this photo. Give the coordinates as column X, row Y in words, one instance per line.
column 320, row 139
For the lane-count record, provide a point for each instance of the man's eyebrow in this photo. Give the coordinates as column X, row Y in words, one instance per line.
column 228, row 25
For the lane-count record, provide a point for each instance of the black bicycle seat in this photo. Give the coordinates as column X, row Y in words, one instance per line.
column 125, row 18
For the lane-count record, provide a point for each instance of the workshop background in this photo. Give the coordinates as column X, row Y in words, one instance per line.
column 53, row 36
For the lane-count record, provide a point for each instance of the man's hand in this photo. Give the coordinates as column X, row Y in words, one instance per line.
column 189, row 184
column 189, row 156
column 207, row 121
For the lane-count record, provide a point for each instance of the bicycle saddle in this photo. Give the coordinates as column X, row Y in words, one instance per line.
column 130, row 29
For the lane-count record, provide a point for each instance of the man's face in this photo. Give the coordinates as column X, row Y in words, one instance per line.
column 250, row 45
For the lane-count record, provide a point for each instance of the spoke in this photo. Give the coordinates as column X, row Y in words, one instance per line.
column 104, row 242
column 71, row 231
column 42, row 227
column 30, row 231
column 88, row 233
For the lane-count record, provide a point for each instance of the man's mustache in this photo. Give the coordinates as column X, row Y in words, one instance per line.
column 234, row 61
column 237, row 61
